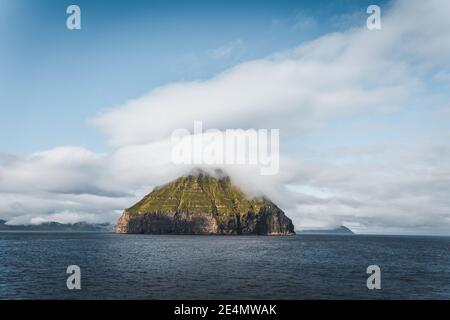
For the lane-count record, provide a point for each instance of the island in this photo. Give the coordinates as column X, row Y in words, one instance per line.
column 203, row 203
column 336, row 231
column 58, row 227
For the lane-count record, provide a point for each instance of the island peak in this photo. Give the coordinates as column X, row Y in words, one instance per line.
column 204, row 203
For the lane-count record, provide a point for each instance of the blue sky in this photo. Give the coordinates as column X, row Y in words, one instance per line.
column 53, row 80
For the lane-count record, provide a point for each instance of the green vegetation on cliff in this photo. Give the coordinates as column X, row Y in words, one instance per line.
column 201, row 203
column 199, row 192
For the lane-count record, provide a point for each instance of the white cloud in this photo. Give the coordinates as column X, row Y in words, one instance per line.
column 15, row 207
column 408, row 189
column 61, row 170
column 235, row 47
column 297, row 22
column 336, row 75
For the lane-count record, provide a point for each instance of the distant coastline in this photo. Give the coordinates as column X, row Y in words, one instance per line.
column 342, row 230
column 59, row 227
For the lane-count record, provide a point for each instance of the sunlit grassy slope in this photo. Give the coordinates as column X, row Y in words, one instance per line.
column 199, row 192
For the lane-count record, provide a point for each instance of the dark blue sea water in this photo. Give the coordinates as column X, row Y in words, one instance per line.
column 33, row 265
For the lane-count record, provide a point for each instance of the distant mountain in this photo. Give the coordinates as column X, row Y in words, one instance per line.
column 56, row 226
column 200, row 203
column 339, row 230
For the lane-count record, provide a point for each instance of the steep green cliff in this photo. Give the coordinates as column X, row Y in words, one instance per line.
column 203, row 204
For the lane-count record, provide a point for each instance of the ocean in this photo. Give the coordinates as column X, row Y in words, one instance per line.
column 33, row 266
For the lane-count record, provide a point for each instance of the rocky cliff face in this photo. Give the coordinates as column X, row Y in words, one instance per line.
column 202, row 204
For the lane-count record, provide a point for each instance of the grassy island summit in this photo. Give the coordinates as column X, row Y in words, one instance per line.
column 200, row 203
